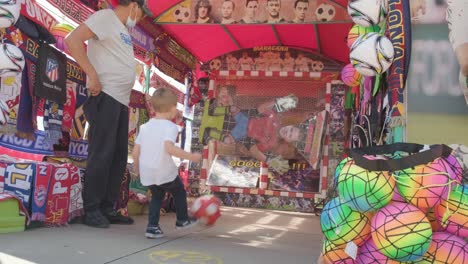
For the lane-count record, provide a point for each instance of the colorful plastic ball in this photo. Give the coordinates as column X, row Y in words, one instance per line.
column 454, row 169
column 350, row 76
column 369, row 254
column 397, row 196
column 332, row 254
column 363, row 190
column 425, row 185
column 432, row 217
column 401, row 232
column 455, row 219
column 207, row 209
column 338, row 169
column 357, row 31
column 446, row 248
column 341, row 224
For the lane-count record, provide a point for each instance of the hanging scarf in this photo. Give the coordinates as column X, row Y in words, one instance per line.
column 134, row 114
column 58, row 198
column 76, row 200
column 69, row 107
column 41, row 188
column 18, row 181
column 53, row 116
column 25, row 118
column 3, row 166
column 79, row 120
column 10, row 91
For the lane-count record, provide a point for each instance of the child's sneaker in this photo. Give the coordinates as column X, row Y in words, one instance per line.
column 154, row 232
column 186, row 224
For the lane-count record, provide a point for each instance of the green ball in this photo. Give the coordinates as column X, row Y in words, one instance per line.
column 363, row 190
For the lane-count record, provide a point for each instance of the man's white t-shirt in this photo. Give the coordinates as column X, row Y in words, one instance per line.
column 111, row 54
column 156, row 165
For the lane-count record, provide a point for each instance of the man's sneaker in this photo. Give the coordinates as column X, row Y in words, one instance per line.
column 154, row 232
column 186, row 224
column 96, row 219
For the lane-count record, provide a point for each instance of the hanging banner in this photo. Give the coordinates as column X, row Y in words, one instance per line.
column 78, row 148
column 33, row 11
column 141, row 38
column 272, row 58
column 73, row 9
column 157, row 82
column 170, row 57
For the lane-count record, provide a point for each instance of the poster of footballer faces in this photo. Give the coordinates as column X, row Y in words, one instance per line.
column 254, row 12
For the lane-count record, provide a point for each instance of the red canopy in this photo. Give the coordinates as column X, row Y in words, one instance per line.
column 207, row 41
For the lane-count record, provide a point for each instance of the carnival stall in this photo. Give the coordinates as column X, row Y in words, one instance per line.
column 43, row 146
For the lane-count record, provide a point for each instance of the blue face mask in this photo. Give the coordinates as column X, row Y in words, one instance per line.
column 131, row 23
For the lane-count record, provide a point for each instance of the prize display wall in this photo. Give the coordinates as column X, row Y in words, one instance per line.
column 269, row 125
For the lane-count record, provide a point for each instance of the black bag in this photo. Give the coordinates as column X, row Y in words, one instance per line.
column 51, row 74
column 418, row 155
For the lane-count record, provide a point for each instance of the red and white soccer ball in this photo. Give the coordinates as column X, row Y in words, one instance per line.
column 207, row 209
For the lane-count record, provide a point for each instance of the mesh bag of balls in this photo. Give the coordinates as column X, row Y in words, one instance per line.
column 398, row 203
column 207, row 209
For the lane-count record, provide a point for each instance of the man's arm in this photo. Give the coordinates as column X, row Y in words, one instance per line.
column 75, row 43
column 173, row 150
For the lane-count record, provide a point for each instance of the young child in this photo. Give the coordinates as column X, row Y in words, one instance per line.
column 152, row 154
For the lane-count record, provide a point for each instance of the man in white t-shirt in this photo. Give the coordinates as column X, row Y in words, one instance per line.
column 110, row 69
column 457, row 17
column 152, row 156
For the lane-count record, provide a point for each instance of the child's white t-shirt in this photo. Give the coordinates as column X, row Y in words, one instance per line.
column 156, row 165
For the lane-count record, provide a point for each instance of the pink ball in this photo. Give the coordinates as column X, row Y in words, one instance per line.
column 454, row 168
column 446, row 248
column 426, row 185
column 350, row 76
column 397, row 196
column 369, row 254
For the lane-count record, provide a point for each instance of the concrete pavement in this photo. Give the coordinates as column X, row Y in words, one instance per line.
column 240, row 236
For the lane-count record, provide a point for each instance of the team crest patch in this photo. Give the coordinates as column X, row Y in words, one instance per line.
column 52, row 71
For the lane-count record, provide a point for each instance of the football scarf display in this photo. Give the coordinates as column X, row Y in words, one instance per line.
column 69, row 107
column 24, row 123
column 40, row 191
column 79, row 119
column 58, row 198
column 10, row 97
column 399, row 31
column 3, row 166
column 53, row 116
column 76, row 200
column 51, row 74
column 18, row 180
